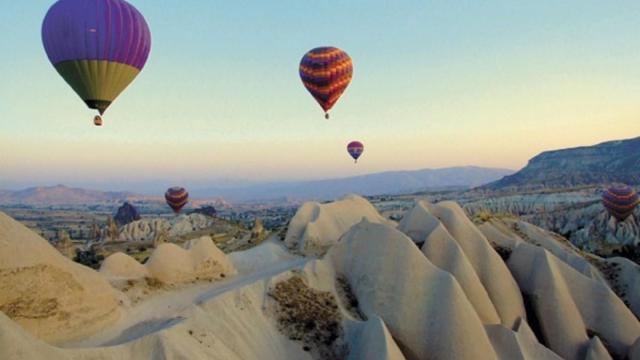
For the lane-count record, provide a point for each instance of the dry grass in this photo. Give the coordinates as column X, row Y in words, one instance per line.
column 310, row 316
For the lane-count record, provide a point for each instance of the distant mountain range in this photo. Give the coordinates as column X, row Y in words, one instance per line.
column 605, row 163
column 61, row 195
column 393, row 182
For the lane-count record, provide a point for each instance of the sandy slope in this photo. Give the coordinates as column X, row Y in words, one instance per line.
column 49, row 295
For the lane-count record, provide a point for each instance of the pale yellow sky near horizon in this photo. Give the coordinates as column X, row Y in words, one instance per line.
column 487, row 84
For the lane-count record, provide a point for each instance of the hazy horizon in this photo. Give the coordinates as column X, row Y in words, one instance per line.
column 156, row 186
column 435, row 85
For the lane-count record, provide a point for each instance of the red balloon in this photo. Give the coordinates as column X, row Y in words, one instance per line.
column 177, row 197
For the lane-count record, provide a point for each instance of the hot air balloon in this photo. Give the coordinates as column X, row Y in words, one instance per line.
column 620, row 201
column 97, row 120
column 97, row 46
column 177, row 197
column 355, row 149
column 326, row 72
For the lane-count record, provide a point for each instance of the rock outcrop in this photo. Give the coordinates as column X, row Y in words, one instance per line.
column 372, row 341
column 488, row 265
column 126, row 214
column 316, row 227
column 413, row 298
column 201, row 260
column 49, row 295
column 575, row 214
column 123, row 266
column 152, row 229
column 568, row 305
column 609, row 162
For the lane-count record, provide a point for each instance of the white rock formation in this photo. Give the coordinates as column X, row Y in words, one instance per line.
column 260, row 257
column 490, row 268
column 625, row 279
column 418, row 223
column 231, row 326
column 578, row 214
column 48, row 294
column 123, row 266
column 144, row 230
column 372, row 341
column 150, row 229
column 518, row 345
column 596, row 350
column 455, row 299
column 316, row 227
column 172, row 264
column 424, row 308
column 444, row 252
column 567, row 304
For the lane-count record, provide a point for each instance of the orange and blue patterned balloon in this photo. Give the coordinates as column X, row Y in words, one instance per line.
column 620, row 201
column 355, row 149
column 97, row 46
column 177, row 197
column 326, row 72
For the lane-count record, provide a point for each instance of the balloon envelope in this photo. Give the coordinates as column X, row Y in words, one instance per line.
column 620, row 201
column 176, row 197
column 355, row 149
column 97, row 46
column 326, row 72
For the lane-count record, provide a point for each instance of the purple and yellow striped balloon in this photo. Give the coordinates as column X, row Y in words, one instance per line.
column 326, row 72
column 620, row 201
column 97, row 46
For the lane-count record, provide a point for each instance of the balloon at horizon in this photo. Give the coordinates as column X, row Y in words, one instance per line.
column 620, row 201
column 177, row 197
column 432, row 79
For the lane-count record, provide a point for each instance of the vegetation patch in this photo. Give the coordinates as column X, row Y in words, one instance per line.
column 611, row 272
column 348, row 298
column 482, row 217
column 89, row 258
column 631, row 252
column 310, row 316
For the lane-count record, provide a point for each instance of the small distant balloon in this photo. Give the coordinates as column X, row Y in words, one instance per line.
column 97, row 46
column 620, row 201
column 326, row 72
column 355, row 149
column 177, row 197
column 97, row 120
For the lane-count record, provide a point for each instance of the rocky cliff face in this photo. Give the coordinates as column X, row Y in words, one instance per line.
column 126, row 214
column 577, row 215
column 614, row 161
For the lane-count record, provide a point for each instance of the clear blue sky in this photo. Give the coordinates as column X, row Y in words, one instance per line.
column 436, row 83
